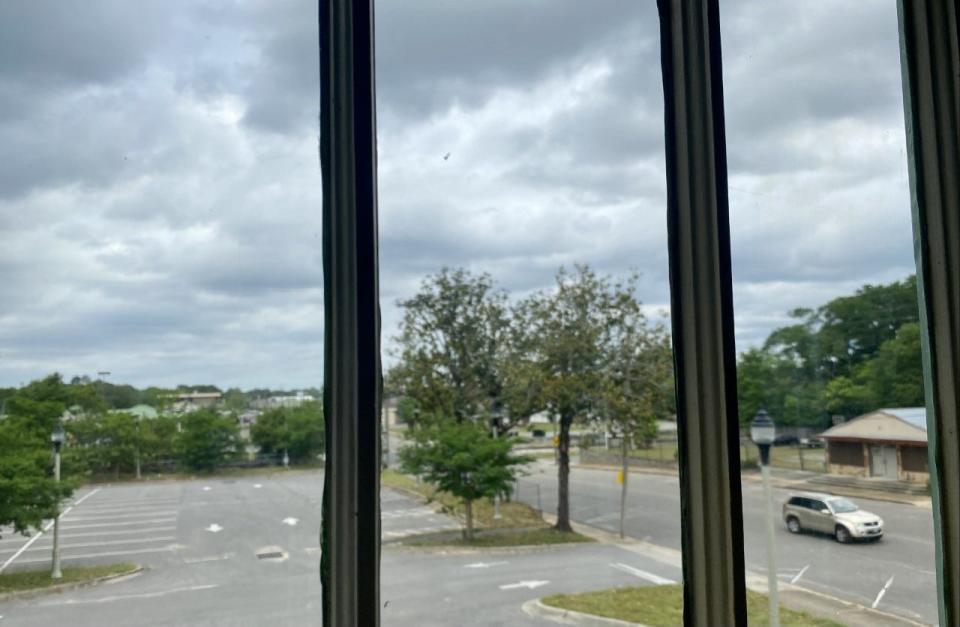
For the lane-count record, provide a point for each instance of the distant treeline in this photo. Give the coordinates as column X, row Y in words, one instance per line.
column 852, row 355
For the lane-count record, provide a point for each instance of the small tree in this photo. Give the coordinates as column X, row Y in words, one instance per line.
column 207, row 440
column 297, row 430
column 462, row 459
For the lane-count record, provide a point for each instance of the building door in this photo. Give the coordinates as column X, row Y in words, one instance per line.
column 883, row 461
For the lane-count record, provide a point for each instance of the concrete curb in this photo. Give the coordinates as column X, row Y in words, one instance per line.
column 537, row 609
column 66, row 587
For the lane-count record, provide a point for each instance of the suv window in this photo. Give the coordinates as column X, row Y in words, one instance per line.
column 817, row 505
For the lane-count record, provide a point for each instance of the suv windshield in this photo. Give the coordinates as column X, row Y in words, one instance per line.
column 842, row 506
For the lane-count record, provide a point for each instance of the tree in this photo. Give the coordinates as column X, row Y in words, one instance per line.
column 298, row 431
column 560, row 338
column 28, row 492
column 462, row 459
column 206, row 439
column 892, row 378
column 235, row 400
column 451, row 335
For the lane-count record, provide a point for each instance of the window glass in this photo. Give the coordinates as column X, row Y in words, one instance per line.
column 826, row 311
column 525, row 313
column 162, row 303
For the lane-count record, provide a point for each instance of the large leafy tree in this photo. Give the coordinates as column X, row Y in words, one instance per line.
column 451, row 337
column 207, row 439
column 462, row 459
column 299, row 431
column 853, row 354
column 559, row 351
column 638, row 383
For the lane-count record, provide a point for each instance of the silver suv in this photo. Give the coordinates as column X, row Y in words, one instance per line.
column 834, row 515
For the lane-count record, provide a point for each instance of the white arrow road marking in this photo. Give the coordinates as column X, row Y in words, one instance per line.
column 800, row 574
column 214, row 528
column 882, row 592
column 484, row 564
column 524, row 584
column 207, row 488
column 290, row 520
column 642, row 574
column 257, row 485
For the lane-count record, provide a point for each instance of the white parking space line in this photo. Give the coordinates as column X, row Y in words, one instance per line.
column 882, row 592
column 118, row 524
column 166, row 512
column 123, row 597
column 642, row 574
column 87, row 545
column 800, row 574
column 26, row 546
column 118, row 532
column 46, row 560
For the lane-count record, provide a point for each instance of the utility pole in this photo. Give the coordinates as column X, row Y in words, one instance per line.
column 763, row 433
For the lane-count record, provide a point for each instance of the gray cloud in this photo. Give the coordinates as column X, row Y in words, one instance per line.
column 161, row 194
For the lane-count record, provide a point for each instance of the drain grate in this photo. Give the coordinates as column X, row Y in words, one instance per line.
column 274, row 553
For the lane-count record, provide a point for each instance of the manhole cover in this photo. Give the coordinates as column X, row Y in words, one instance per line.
column 271, row 553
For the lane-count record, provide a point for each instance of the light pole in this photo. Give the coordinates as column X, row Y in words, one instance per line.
column 56, row 438
column 763, row 432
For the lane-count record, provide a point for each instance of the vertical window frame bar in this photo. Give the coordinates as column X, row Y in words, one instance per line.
column 930, row 69
column 702, row 314
column 350, row 537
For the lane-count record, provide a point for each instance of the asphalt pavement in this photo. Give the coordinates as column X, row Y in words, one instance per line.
column 895, row 575
column 245, row 552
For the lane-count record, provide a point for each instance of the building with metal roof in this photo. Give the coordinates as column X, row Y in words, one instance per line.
column 889, row 443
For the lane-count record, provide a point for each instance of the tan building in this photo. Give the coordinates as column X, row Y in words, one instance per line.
column 887, row 443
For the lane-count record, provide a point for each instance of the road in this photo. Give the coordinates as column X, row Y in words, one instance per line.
column 856, row 572
column 199, row 542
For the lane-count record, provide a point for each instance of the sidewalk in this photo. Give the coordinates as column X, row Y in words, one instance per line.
column 799, row 480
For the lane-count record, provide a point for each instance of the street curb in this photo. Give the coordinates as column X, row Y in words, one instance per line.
column 66, row 587
column 537, row 609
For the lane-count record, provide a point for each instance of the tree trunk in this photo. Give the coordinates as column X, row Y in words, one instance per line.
column 138, row 463
column 563, row 477
column 468, row 511
column 625, row 472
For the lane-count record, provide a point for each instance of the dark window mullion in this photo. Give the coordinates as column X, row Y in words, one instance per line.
column 702, row 314
column 351, row 518
column 930, row 60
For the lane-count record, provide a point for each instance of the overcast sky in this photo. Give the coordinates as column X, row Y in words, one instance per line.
column 160, row 188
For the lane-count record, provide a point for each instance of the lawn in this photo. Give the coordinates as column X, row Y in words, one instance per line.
column 499, row 538
column 662, row 606
column 522, row 521
column 37, row 579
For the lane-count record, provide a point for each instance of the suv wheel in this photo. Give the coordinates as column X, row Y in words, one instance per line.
column 842, row 534
column 793, row 525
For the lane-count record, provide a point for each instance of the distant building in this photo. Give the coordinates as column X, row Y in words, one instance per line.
column 389, row 414
column 200, row 399
column 887, row 443
column 290, row 400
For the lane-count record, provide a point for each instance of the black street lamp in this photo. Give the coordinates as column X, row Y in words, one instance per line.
column 56, row 438
column 763, row 432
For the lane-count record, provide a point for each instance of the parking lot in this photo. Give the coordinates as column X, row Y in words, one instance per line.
column 246, row 551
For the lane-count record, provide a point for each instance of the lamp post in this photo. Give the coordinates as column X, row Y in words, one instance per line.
column 56, row 438
column 495, row 417
column 763, row 432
